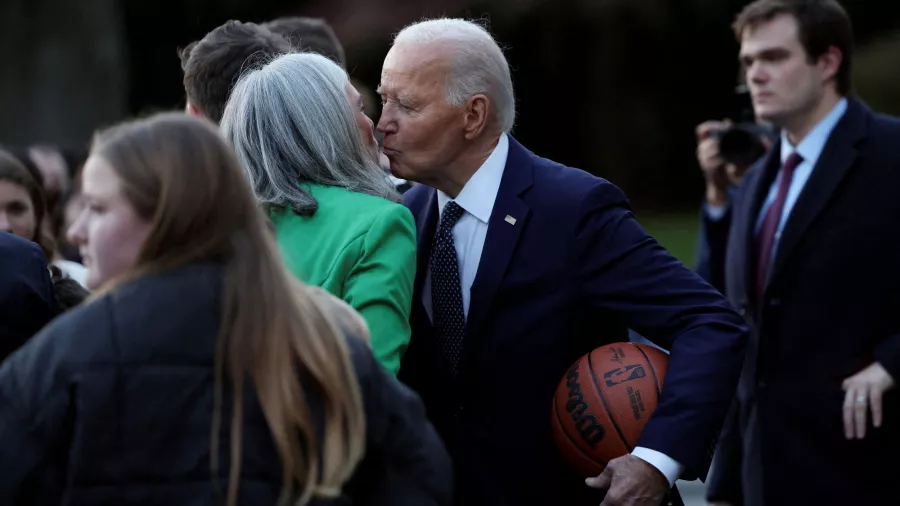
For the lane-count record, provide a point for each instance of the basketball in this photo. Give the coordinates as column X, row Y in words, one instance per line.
column 603, row 402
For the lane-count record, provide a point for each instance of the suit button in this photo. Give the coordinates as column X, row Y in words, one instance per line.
column 761, row 385
column 458, row 412
column 742, row 311
column 774, row 302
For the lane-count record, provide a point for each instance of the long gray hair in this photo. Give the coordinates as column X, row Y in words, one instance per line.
column 290, row 123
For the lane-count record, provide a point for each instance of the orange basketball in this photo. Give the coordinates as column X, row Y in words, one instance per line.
column 603, row 403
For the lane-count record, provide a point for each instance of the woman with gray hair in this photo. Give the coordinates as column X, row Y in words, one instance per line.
column 309, row 152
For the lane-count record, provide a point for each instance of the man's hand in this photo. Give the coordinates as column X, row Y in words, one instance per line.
column 864, row 389
column 631, row 481
column 711, row 162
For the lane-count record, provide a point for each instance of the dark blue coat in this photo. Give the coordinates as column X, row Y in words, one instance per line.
column 27, row 301
column 574, row 272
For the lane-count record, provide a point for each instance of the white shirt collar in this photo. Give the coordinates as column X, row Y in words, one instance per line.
column 810, row 148
column 478, row 195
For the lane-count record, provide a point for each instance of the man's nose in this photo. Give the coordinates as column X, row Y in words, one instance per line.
column 756, row 73
column 5, row 223
column 385, row 124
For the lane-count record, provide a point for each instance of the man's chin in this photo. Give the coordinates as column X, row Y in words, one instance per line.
column 772, row 116
column 397, row 170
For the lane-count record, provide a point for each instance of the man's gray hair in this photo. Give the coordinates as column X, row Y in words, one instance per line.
column 290, row 123
column 477, row 63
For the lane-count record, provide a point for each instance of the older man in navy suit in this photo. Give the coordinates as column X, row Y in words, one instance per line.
column 27, row 301
column 525, row 265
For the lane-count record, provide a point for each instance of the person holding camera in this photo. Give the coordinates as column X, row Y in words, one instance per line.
column 725, row 151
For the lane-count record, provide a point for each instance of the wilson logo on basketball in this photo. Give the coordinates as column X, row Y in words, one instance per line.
column 586, row 424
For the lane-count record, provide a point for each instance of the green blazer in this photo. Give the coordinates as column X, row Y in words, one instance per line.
column 361, row 249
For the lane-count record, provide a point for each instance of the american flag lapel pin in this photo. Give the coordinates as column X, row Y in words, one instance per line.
column 509, row 219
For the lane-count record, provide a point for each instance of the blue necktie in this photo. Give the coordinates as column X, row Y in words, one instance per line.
column 446, row 294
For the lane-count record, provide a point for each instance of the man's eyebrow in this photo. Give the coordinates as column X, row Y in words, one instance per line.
column 765, row 53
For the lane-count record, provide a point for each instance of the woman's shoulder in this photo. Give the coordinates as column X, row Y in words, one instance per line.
column 337, row 195
column 351, row 211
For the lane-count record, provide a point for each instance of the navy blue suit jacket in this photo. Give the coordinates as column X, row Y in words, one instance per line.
column 829, row 309
column 574, row 272
column 27, row 301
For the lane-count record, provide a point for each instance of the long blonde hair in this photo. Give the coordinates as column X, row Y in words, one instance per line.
column 179, row 173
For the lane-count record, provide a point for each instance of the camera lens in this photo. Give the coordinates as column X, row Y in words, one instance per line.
column 741, row 146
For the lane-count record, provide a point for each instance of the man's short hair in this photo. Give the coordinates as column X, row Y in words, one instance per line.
column 310, row 34
column 822, row 24
column 213, row 64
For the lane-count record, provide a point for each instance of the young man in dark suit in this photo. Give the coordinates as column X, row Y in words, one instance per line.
column 812, row 264
column 525, row 265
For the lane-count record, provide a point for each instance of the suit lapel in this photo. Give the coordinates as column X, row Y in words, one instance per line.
column 835, row 162
column 508, row 218
column 758, row 190
column 426, row 223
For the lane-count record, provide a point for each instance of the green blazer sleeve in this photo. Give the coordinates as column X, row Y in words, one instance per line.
column 380, row 284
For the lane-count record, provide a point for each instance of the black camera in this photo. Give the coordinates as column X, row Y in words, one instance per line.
column 742, row 143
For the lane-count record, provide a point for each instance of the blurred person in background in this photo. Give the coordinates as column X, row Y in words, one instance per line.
column 722, row 175
column 54, row 170
column 310, row 35
column 57, row 170
column 27, row 298
column 203, row 373
column 309, row 153
column 23, row 212
column 811, row 263
column 69, row 205
column 213, row 64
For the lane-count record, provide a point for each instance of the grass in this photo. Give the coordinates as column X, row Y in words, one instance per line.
column 677, row 232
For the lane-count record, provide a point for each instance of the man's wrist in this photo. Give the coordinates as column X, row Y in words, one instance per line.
column 668, row 468
column 716, row 196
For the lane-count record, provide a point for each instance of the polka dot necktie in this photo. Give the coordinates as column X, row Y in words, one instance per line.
column 446, row 294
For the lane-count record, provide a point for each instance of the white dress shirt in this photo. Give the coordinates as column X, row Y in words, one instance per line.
column 477, row 200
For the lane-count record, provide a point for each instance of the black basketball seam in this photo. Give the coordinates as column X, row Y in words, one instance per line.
column 574, row 442
column 612, row 419
column 652, row 371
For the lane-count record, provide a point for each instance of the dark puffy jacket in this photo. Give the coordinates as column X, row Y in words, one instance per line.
column 112, row 404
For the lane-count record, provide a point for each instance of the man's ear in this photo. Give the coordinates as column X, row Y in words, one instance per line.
column 476, row 115
column 193, row 110
column 830, row 63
